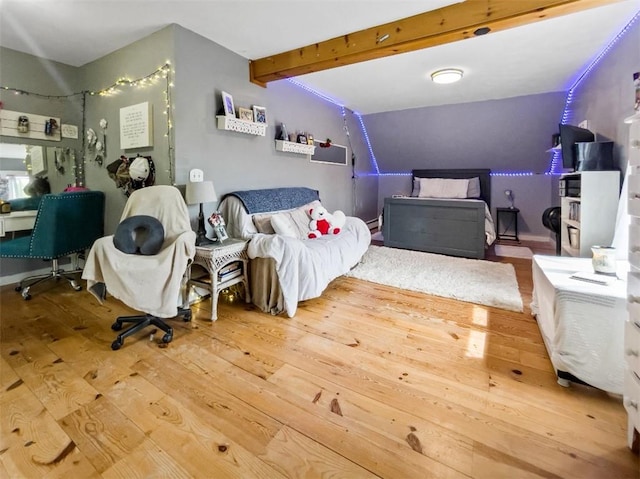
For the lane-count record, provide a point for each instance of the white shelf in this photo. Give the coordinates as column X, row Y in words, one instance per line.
column 291, row 147
column 632, row 118
column 241, row 126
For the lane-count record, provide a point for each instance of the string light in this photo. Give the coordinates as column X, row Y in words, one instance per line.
column 153, row 78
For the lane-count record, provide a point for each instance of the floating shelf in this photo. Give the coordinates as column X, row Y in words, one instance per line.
column 241, row 126
column 632, row 118
column 291, row 147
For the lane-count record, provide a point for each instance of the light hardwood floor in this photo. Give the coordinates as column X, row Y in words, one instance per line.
column 366, row 381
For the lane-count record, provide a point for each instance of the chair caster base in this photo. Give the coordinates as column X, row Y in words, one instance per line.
column 116, row 345
column 167, row 338
column 117, row 326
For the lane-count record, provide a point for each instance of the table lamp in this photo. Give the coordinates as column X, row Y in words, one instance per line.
column 200, row 192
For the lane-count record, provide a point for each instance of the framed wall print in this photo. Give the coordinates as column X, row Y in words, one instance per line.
column 227, row 101
column 220, row 233
column 245, row 114
column 259, row 114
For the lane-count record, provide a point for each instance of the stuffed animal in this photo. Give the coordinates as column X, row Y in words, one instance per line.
column 325, row 223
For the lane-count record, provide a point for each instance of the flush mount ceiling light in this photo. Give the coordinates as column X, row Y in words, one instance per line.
column 448, row 75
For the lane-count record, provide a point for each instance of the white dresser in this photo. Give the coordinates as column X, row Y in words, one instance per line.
column 632, row 326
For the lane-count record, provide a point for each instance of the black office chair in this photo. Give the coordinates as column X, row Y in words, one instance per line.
column 551, row 221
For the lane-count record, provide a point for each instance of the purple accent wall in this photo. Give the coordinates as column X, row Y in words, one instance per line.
column 504, row 135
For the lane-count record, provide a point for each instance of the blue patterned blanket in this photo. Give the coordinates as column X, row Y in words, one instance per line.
column 275, row 199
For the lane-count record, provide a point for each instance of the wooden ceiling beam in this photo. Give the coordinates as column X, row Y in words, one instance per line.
column 437, row 27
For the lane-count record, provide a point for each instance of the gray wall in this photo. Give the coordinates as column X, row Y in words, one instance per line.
column 511, row 134
column 38, row 75
column 605, row 97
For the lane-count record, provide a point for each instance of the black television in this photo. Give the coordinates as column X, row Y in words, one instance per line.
column 569, row 136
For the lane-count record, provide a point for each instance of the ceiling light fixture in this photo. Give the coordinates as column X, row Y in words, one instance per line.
column 448, row 75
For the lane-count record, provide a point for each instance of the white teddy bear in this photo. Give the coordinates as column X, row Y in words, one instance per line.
column 324, row 223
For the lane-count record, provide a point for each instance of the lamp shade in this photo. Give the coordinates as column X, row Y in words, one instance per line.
column 200, row 192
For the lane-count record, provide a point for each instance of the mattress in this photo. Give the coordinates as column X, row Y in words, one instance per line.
column 582, row 323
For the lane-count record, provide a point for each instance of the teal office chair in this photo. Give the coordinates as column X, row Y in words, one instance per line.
column 66, row 224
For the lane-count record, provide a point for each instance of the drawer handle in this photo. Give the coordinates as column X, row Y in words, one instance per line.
column 632, row 352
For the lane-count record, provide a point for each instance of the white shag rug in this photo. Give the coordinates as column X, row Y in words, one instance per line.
column 471, row 280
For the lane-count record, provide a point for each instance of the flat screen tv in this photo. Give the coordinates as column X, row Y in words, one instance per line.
column 569, row 136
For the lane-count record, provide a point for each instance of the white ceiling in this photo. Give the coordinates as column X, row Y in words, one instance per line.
column 537, row 58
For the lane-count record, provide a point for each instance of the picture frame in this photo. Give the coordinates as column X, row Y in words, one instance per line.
column 227, row 102
column 259, row 114
column 220, row 233
column 245, row 114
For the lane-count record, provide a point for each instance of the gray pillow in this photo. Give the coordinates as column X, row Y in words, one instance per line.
column 473, row 190
column 416, row 187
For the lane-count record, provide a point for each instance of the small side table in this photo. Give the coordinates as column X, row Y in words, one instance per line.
column 214, row 257
column 506, row 221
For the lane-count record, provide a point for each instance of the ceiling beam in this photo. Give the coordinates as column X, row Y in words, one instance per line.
column 437, row 27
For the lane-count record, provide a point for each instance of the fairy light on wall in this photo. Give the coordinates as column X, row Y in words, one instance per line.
column 555, row 168
column 163, row 72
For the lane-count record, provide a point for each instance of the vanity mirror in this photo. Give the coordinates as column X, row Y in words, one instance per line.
column 21, row 163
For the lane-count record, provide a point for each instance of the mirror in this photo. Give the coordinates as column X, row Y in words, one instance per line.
column 22, row 163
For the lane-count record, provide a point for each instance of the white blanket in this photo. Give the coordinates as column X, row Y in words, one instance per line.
column 304, row 267
column 150, row 284
column 582, row 323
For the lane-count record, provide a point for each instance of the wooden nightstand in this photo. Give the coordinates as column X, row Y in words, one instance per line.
column 226, row 262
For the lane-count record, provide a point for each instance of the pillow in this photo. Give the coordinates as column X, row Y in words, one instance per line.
column 294, row 223
column 139, row 234
column 415, row 192
column 473, row 191
column 443, row 188
column 263, row 224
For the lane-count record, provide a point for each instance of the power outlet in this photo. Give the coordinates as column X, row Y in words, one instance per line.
column 196, row 176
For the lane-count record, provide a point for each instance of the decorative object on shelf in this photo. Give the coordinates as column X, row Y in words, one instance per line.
column 259, row 114
column 49, row 126
column 309, row 139
column 604, row 260
column 282, row 135
column 510, row 197
column 103, row 126
column 245, row 114
column 227, row 102
column 23, row 124
column 302, row 138
column 326, row 144
column 200, row 192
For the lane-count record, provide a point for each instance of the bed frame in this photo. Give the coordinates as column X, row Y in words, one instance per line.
column 455, row 228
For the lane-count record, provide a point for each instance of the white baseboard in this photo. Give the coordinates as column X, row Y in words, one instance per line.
column 543, row 238
column 16, row 278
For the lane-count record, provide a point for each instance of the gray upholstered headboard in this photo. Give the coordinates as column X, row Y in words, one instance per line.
column 483, row 174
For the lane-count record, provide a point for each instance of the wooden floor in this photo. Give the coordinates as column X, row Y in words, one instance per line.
column 366, row 381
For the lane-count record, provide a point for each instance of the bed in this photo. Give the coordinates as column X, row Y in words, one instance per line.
column 582, row 323
column 459, row 226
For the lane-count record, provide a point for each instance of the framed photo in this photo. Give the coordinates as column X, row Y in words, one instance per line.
column 245, row 114
column 220, row 233
column 227, row 101
column 259, row 114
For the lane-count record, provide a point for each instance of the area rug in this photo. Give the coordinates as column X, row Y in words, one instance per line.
column 513, row 251
column 474, row 281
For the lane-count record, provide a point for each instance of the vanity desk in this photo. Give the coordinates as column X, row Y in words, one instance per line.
column 17, row 221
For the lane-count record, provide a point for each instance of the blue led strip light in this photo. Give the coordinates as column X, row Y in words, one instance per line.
column 344, row 114
column 555, row 168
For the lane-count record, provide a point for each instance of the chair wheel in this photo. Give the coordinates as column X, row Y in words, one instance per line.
column 167, row 338
column 18, row 288
column 75, row 285
column 117, row 344
column 117, row 326
column 187, row 316
column 26, row 297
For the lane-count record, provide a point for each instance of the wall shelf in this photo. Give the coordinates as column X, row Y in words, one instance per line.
column 291, row 147
column 241, row 126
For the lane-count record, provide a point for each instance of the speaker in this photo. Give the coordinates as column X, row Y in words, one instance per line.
column 594, row 155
